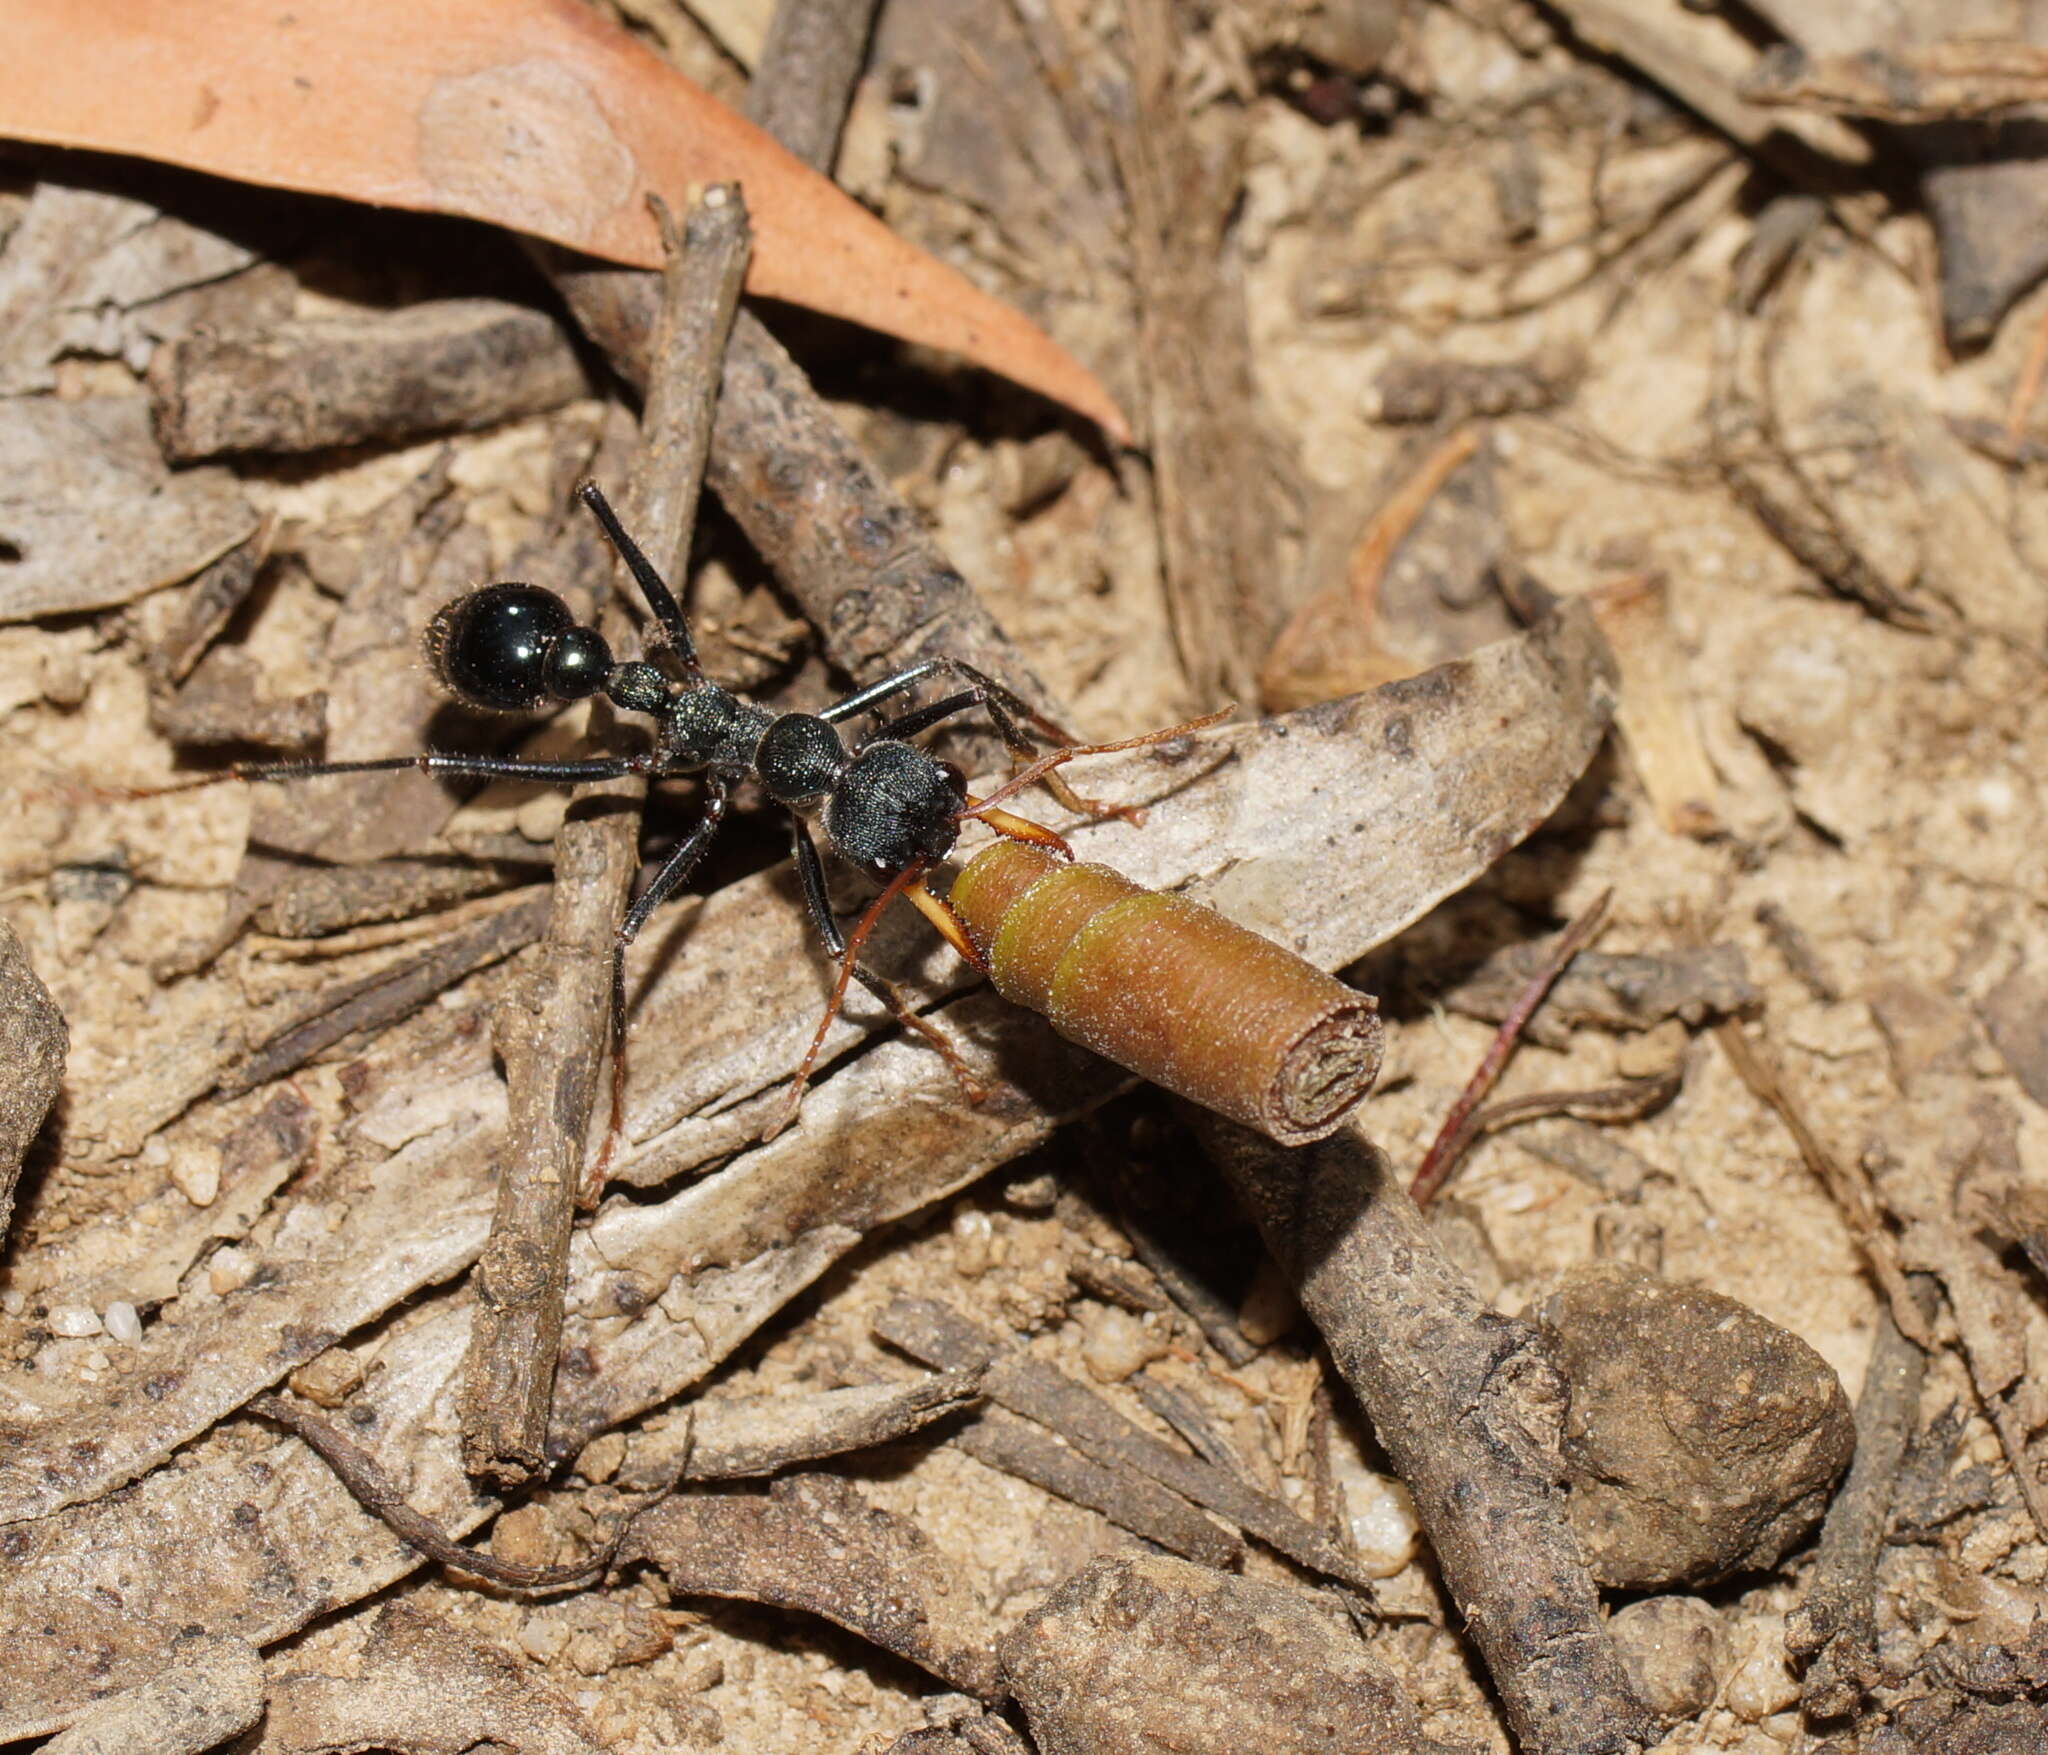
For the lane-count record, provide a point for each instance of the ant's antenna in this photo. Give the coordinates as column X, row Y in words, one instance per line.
column 660, row 599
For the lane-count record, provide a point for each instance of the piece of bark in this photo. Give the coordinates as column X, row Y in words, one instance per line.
column 369, row 378
column 210, row 603
column 1469, row 1408
column 935, row 1335
column 1656, row 716
column 225, row 701
column 1834, row 1630
column 335, row 898
column 423, row 1689
column 553, row 1037
column 1417, row 389
column 1986, row 196
column 91, row 518
column 813, row 1543
column 1702, row 63
column 89, row 272
column 212, row 1690
column 1608, row 991
column 1942, row 81
column 1128, row 1499
column 33, row 1043
column 390, row 994
column 1702, row 1439
column 1145, row 1655
column 732, row 1438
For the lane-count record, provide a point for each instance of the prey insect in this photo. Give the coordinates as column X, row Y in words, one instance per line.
column 883, row 802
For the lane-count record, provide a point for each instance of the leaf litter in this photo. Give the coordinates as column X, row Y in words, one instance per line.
column 1825, row 612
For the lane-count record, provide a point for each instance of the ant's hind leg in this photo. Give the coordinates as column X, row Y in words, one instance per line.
column 674, row 873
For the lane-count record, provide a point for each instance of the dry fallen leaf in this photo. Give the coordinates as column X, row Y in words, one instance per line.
column 538, row 115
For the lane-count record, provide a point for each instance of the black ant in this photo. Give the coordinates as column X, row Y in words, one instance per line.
column 891, row 808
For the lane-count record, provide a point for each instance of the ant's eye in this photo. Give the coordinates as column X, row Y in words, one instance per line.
column 491, row 648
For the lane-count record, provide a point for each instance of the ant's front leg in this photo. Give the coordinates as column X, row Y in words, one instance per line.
column 1009, row 713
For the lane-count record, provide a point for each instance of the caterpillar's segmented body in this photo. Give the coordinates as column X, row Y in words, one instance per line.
column 1172, row 990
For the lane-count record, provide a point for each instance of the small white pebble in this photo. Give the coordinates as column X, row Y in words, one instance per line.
column 1382, row 1519
column 1763, row 1685
column 1117, row 1344
column 97, row 1361
column 74, row 1321
column 13, row 1302
column 230, row 1270
column 973, row 1243
column 195, row 1173
column 123, row 1324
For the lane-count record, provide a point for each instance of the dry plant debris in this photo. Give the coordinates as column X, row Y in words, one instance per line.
column 527, row 115
column 1439, row 323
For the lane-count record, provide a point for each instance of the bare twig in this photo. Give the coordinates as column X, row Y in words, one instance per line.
column 553, row 1039
column 1905, row 83
column 1128, row 1499
column 1469, row 1407
column 1438, row 1162
column 1835, row 1628
column 1845, row 1180
column 1608, row 1106
column 390, row 994
column 805, row 76
column 938, row 1336
column 382, row 1497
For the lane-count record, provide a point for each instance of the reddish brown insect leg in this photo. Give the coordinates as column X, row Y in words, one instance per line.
column 895, row 887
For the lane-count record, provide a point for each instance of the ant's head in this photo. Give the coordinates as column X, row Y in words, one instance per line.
column 512, row 648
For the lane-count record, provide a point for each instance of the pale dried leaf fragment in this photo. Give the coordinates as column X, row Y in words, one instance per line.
column 89, row 515
column 424, row 1689
column 1656, row 715
column 211, row 1691
column 813, row 1543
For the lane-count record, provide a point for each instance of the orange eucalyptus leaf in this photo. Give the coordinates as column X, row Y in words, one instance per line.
column 538, row 115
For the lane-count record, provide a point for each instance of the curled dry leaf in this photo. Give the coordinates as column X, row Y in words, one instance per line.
column 537, row 115
column 812, row 1542
column 89, row 516
column 425, row 1689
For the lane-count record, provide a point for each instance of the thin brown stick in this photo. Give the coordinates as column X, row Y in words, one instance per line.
column 935, row 1335
column 1846, row 1181
column 390, row 994
column 1608, row 1106
column 851, row 551
column 1455, row 1136
column 803, row 81
column 382, row 1498
column 1467, row 1405
column 1835, row 1628
column 553, row 1038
